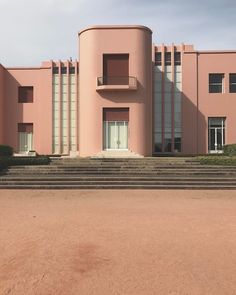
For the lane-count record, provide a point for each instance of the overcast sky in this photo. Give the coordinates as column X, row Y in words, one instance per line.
column 35, row 30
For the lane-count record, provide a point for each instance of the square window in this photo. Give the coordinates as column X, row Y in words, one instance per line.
column 55, row 70
column 63, row 70
column 216, row 83
column 25, row 94
column 71, row 70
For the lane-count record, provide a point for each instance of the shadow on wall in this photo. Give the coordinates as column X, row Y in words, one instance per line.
column 193, row 122
column 13, row 112
column 125, row 96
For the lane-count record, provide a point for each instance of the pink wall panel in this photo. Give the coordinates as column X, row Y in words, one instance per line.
column 216, row 104
column 94, row 42
column 39, row 112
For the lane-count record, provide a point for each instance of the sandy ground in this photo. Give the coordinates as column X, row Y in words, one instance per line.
column 118, row 242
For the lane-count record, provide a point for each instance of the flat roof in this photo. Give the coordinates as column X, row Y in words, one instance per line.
column 211, row 51
column 116, row 27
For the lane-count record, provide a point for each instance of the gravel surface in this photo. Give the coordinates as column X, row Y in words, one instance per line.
column 118, row 242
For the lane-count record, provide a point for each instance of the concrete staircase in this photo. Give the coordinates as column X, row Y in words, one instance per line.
column 120, row 173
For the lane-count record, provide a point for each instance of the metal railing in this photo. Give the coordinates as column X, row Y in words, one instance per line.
column 117, row 80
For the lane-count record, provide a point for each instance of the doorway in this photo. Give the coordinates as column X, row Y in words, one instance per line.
column 115, row 128
column 216, row 134
column 115, row 135
column 25, row 135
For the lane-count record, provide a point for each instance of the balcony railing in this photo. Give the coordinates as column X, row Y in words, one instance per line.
column 116, row 83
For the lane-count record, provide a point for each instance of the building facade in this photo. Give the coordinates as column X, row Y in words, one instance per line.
column 124, row 93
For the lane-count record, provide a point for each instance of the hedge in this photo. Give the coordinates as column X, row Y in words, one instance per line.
column 18, row 161
column 218, row 160
column 230, row 150
column 6, row 150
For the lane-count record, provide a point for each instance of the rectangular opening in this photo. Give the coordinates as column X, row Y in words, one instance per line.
column 116, row 69
column 167, row 58
column 158, row 58
column 216, row 134
column 115, row 128
column 177, row 59
column 25, row 135
column 232, row 83
column 55, row 70
column 72, row 70
column 25, row 94
column 216, row 83
column 115, row 114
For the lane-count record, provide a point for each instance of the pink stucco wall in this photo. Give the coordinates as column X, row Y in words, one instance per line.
column 94, row 42
column 199, row 104
column 39, row 112
column 216, row 104
column 189, row 104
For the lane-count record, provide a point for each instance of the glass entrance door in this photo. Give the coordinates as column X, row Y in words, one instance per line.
column 216, row 134
column 115, row 135
column 25, row 142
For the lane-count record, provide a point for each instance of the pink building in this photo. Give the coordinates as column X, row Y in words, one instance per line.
column 124, row 94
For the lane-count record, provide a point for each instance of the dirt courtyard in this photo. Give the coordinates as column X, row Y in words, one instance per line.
column 118, row 242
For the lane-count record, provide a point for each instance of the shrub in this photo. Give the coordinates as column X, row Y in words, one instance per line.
column 6, row 150
column 18, row 161
column 218, row 160
column 230, row 149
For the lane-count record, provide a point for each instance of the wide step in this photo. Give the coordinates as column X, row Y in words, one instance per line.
column 108, row 173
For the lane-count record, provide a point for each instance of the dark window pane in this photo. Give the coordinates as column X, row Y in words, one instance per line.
column 215, row 88
column 167, row 58
column 25, row 94
column 215, row 78
column 177, row 58
column 158, row 58
column 177, row 146
column 232, row 83
column 232, row 88
column 55, row 70
column 72, row 70
column 167, row 145
column 216, row 122
column 63, row 70
column 232, row 78
column 25, row 127
column 158, row 147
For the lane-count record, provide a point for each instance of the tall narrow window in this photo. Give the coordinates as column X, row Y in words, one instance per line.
column 158, row 58
column 216, row 83
column 216, row 134
column 25, row 94
column 167, row 58
column 232, row 83
column 177, row 58
column 25, row 135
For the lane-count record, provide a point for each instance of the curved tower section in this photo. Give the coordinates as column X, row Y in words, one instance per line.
column 115, row 86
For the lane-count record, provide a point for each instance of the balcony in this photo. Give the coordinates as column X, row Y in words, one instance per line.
column 116, row 83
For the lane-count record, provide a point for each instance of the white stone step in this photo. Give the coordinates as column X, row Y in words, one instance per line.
column 117, row 154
